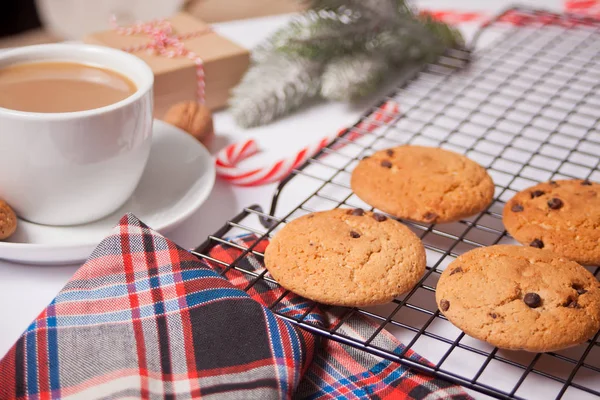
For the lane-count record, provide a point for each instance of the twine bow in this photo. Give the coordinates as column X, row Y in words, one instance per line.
column 163, row 42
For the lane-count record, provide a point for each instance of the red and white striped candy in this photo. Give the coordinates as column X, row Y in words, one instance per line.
column 228, row 159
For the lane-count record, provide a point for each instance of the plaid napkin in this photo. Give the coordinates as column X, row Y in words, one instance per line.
column 143, row 318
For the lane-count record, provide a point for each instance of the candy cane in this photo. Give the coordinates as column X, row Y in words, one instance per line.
column 228, row 159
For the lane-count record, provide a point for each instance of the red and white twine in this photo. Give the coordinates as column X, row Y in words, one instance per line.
column 163, row 42
column 589, row 8
column 228, row 159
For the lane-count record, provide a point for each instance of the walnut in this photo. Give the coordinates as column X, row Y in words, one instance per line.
column 195, row 119
column 8, row 221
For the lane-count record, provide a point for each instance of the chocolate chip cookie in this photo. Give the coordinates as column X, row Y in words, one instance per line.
column 425, row 184
column 346, row 257
column 520, row 298
column 8, row 221
column 562, row 216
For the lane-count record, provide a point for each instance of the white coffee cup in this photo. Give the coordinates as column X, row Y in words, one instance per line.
column 76, row 167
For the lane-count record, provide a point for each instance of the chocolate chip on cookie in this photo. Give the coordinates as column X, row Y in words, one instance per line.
column 578, row 288
column 386, row 164
column 444, row 305
column 571, row 303
column 354, row 234
column 359, row 212
column 533, row 300
column 379, row 217
column 430, row 217
column 517, row 208
column 537, row 243
column 537, row 193
column 555, row 203
column 390, row 152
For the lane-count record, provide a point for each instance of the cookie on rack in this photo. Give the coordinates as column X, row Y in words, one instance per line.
column 520, row 298
column 346, row 257
column 562, row 216
column 425, row 184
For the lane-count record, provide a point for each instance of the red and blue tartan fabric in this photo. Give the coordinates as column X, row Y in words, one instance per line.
column 143, row 318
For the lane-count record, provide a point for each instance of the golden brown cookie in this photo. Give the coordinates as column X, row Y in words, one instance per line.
column 346, row 257
column 517, row 297
column 424, row 184
column 562, row 216
column 8, row 221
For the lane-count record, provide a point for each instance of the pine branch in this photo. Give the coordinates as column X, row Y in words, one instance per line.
column 321, row 35
column 352, row 77
column 274, row 88
column 447, row 35
column 414, row 40
column 379, row 9
column 342, row 50
column 404, row 44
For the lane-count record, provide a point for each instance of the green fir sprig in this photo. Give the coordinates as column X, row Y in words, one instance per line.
column 337, row 50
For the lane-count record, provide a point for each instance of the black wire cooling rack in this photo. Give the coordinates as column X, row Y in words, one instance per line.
column 526, row 106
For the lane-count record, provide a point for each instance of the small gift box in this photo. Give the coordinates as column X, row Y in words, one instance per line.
column 189, row 60
column 219, row 10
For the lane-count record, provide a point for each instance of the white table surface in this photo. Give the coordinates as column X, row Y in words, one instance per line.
column 25, row 289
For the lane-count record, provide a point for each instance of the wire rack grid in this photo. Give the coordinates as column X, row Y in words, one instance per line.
column 525, row 106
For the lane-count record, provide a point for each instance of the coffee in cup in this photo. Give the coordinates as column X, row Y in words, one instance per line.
column 57, row 87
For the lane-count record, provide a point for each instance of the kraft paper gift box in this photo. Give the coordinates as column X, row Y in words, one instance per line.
column 175, row 79
column 228, row 10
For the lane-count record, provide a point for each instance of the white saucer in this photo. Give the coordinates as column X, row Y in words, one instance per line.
column 178, row 178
